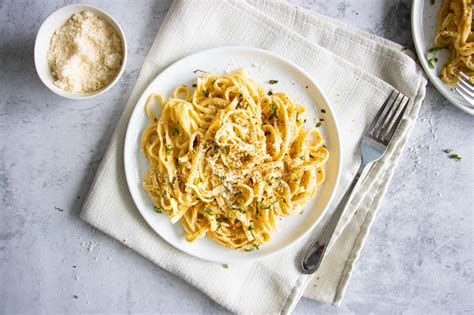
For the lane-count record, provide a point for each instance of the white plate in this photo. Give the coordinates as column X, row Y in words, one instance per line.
column 424, row 17
column 261, row 66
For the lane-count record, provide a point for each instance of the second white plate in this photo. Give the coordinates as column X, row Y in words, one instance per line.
column 424, row 17
column 262, row 66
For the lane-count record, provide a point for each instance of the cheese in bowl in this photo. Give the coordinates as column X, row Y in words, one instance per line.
column 85, row 54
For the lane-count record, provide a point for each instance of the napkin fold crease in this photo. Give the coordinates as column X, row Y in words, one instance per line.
column 355, row 70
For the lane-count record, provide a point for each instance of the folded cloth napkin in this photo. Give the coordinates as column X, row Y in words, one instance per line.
column 356, row 71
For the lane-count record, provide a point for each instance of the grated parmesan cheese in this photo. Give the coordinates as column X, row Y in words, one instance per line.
column 85, row 54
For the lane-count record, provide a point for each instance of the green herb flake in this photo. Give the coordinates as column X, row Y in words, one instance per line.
column 222, row 179
column 173, row 181
column 318, row 124
column 323, row 111
column 176, row 130
column 205, row 92
column 215, row 150
column 274, row 113
column 208, row 211
column 226, row 266
column 448, row 150
column 456, row 157
column 194, row 85
column 431, row 61
column 257, row 247
column 250, row 228
column 302, row 157
column 168, row 149
column 158, row 209
column 270, row 205
column 249, row 249
column 433, row 49
column 273, row 81
column 163, row 195
column 270, row 93
column 227, row 149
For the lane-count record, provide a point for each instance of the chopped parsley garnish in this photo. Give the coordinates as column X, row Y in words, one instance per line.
column 176, row 130
column 168, row 149
column 456, row 157
column 250, row 228
column 215, row 149
column 297, row 116
column 431, row 62
column 208, row 211
column 256, row 246
column 273, row 81
column 249, row 249
column 318, row 124
column 270, row 205
column 174, row 180
column 226, row 266
column 158, row 209
column 198, row 180
column 433, row 49
column 302, row 157
column 448, row 150
column 227, row 149
column 205, row 92
column 270, row 93
column 195, row 85
column 163, row 195
column 222, row 179
column 323, row 111
column 274, row 114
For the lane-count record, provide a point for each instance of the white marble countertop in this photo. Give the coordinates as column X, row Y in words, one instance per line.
column 418, row 256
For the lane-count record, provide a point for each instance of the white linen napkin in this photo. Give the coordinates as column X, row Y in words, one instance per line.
column 355, row 70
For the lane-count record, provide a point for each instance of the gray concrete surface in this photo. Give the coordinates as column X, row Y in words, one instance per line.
column 417, row 259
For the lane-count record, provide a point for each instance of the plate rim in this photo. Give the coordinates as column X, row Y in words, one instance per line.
column 416, row 33
column 336, row 140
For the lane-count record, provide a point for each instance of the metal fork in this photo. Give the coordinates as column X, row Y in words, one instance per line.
column 372, row 147
column 465, row 88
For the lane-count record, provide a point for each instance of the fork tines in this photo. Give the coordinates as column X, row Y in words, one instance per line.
column 465, row 88
column 388, row 118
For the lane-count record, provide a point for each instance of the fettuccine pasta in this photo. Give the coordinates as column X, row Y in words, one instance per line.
column 454, row 32
column 228, row 159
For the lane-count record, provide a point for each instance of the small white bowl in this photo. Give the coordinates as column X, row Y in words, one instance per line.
column 43, row 40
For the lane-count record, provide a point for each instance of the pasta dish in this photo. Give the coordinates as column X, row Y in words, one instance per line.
column 454, row 33
column 229, row 159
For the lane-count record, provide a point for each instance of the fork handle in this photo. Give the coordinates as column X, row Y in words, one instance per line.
column 314, row 254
